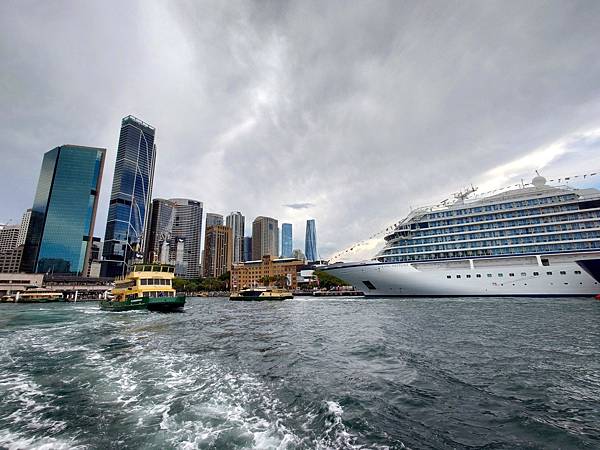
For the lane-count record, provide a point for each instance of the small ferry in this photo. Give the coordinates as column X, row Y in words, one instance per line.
column 145, row 287
column 261, row 294
column 34, row 295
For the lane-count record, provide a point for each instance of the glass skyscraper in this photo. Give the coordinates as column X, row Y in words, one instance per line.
column 128, row 211
column 286, row 240
column 310, row 241
column 236, row 221
column 61, row 225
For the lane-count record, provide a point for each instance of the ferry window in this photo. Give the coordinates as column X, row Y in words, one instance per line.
column 523, row 274
column 545, row 262
column 548, row 273
column 562, row 272
column 478, row 275
column 500, row 274
column 448, row 276
column 144, row 282
column 535, row 274
column 511, row 274
column 457, row 276
column 578, row 272
column 489, row 275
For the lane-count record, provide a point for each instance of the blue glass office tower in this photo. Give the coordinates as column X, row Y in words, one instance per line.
column 286, row 240
column 128, row 211
column 310, row 241
column 61, row 227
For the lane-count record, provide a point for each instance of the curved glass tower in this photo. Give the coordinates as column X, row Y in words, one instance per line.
column 310, row 241
column 130, row 196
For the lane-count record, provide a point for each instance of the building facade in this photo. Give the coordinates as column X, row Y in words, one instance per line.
column 9, row 237
column 286, row 240
column 255, row 273
column 247, row 254
column 160, row 231
column 24, row 227
column 218, row 250
column 64, row 211
column 236, row 221
column 310, row 241
column 187, row 230
column 265, row 237
column 129, row 206
column 213, row 219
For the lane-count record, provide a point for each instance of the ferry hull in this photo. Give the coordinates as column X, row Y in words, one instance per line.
column 404, row 280
column 161, row 304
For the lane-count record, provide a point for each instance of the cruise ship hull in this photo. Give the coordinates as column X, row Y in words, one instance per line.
column 564, row 278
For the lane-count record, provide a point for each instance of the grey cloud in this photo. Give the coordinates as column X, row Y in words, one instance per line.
column 367, row 107
column 299, row 205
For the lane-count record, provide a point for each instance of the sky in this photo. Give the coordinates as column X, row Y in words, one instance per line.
column 348, row 112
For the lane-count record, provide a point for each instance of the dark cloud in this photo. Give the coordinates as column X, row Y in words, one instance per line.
column 299, row 205
column 366, row 107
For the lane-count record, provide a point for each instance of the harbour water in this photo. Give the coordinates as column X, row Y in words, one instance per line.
column 304, row 373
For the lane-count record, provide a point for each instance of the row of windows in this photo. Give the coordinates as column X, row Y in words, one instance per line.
column 501, row 206
column 511, row 274
column 503, row 251
column 155, row 281
column 499, row 233
column 498, row 216
column 493, row 243
column 573, row 217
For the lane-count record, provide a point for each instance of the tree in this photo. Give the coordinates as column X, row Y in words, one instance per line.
column 328, row 281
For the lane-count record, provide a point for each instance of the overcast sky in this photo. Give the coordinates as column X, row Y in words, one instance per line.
column 349, row 112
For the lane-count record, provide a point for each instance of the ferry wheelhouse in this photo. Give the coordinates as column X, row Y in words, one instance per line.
column 527, row 241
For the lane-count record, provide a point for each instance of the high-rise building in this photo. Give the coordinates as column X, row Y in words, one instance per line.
column 64, row 210
column 218, row 250
column 236, row 222
column 247, row 255
column 160, row 231
column 24, row 227
column 129, row 206
column 286, row 240
column 9, row 237
column 187, row 229
column 265, row 237
column 213, row 219
column 310, row 241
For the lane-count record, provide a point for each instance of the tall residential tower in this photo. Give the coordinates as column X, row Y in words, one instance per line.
column 310, row 241
column 130, row 197
column 265, row 237
column 236, row 222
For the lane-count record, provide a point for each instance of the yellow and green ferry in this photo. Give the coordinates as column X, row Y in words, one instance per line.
column 145, row 287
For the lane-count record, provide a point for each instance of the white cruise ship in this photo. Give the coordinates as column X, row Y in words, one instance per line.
column 531, row 241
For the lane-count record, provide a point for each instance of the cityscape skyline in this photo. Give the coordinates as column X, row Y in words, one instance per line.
column 378, row 158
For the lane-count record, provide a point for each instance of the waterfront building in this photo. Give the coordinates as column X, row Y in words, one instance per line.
column 236, row 221
column 9, row 237
column 531, row 240
column 64, row 211
column 265, row 237
column 218, row 250
column 254, row 273
column 286, row 240
column 310, row 241
column 11, row 283
column 187, row 229
column 10, row 260
column 160, row 231
column 24, row 227
column 213, row 219
column 247, row 256
column 129, row 206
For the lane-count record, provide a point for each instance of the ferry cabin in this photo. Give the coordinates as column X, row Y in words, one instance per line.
column 145, row 280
